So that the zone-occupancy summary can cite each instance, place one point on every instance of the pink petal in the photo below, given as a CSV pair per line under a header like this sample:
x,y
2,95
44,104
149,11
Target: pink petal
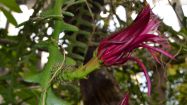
x,y
159,50
145,73
145,10
125,100
144,38
154,55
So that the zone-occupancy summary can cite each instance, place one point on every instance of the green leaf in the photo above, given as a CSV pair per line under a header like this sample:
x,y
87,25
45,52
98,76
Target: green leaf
x,y
9,16
35,77
42,45
68,1
41,77
73,2
32,77
48,12
70,61
183,31
52,99
68,13
11,4
27,94
53,10
68,27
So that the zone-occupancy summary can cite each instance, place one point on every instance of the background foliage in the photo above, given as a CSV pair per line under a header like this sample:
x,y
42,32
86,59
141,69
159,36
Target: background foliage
x,y
23,79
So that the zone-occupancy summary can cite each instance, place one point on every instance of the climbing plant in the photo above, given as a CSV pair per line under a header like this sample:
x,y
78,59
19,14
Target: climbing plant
x,y
73,74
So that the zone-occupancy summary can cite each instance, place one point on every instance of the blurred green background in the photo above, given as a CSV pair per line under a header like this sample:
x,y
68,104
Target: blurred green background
x,y
36,36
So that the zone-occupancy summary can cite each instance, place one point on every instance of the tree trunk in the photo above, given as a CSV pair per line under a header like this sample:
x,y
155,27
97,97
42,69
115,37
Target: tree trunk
x,y
176,4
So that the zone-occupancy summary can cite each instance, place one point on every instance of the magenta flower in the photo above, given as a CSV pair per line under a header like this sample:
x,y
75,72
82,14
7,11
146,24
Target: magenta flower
x,y
118,48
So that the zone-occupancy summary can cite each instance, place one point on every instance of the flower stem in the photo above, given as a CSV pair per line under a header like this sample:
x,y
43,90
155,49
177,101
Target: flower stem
x,y
83,71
